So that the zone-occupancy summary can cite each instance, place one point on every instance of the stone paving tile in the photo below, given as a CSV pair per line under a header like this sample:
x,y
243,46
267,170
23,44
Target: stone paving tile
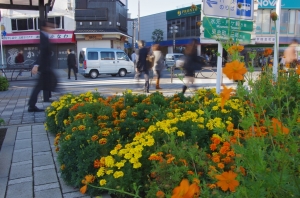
x,y
22,155
49,193
45,177
14,122
22,144
20,171
39,137
24,128
21,180
25,189
41,146
42,160
24,135
3,184
46,186
76,195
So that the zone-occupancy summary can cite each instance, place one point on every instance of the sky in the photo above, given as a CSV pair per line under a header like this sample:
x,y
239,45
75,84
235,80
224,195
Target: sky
x,y
148,7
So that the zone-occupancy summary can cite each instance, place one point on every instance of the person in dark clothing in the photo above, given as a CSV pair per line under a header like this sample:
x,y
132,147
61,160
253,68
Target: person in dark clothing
x,y
191,59
20,60
71,60
81,58
47,80
142,65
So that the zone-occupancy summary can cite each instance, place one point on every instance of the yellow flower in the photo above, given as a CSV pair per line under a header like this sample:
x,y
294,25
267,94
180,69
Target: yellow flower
x,y
180,133
137,165
119,165
109,161
101,172
118,174
102,182
108,172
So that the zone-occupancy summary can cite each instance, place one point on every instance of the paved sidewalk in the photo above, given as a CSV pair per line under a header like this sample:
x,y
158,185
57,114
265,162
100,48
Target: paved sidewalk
x,y
28,166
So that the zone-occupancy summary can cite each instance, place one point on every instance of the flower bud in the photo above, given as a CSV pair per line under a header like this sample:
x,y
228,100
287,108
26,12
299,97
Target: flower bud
x,y
274,16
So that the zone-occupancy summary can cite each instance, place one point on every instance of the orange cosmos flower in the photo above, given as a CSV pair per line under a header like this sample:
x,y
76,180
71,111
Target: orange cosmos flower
x,y
185,190
235,70
268,51
278,126
227,181
298,70
160,194
225,95
83,189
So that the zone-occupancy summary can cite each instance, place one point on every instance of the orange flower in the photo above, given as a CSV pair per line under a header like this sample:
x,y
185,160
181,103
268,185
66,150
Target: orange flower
x,y
185,190
230,127
83,189
278,126
227,181
103,141
298,70
193,6
221,165
94,138
160,194
268,51
225,95
235,70
213,147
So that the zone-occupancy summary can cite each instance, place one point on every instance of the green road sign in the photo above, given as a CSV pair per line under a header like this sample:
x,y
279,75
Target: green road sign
x,y
225,35
226,23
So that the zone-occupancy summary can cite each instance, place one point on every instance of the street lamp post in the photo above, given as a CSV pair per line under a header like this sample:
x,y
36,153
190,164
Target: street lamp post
x,y
174,30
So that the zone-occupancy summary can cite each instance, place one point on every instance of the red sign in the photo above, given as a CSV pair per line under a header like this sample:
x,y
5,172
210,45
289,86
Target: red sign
x,y
34,38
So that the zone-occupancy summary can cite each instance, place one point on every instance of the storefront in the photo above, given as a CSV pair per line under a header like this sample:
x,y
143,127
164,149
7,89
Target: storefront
x,y
29,43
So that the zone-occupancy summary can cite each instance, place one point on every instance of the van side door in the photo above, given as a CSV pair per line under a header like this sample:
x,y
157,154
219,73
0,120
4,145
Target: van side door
x,y
123,61
108,62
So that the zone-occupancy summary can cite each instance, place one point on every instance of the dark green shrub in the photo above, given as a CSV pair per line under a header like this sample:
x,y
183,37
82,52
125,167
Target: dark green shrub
x,y
3,84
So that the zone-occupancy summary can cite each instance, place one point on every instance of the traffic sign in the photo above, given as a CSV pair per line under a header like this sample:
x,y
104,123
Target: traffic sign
x,y
225,23
238,9
224,34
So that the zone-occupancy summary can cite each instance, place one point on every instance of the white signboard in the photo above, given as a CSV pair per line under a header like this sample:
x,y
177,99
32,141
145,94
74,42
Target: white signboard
x,y
238,9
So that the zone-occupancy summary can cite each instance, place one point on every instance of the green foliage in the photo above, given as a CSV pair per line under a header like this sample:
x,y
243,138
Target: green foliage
x,y
157,36
2,122
3,84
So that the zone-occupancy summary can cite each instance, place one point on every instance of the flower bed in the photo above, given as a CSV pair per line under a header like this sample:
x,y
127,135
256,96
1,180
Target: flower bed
x,y
239,143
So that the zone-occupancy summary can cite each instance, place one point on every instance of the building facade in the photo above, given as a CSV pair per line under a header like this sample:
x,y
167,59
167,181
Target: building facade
x,y
101,23
21,30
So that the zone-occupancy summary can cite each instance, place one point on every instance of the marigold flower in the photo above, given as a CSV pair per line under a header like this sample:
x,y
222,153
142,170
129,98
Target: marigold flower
x,y
62,167
213,147
102,182
227,181
221,165
97,163
103,141
94,138
235,70
190,172
118,174
160,194
81,127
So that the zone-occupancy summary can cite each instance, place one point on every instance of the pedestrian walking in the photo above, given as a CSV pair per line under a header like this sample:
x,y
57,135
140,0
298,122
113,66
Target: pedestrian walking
x,y
81,58
142,64
290,53
189,66
20,60
71,61
47,80
158,63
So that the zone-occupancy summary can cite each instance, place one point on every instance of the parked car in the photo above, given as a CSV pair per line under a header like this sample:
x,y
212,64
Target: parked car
x,y
172,58
106,61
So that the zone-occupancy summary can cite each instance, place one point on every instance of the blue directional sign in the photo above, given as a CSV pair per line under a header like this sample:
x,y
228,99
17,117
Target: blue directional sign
x,y
238,9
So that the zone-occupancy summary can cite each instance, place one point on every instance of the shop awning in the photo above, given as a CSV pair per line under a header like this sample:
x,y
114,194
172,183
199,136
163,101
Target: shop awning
x,y
34,38
25,4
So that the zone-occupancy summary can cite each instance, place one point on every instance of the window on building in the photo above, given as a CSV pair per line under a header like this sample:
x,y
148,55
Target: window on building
x,y
292,21
298,24
259,22
22,24
266,21
92,55
107,56
57,21
284,21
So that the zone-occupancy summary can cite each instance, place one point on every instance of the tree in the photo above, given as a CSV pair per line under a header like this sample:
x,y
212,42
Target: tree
x,y
157,35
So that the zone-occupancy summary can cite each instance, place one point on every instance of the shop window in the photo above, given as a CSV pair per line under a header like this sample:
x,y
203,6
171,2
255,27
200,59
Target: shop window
x,y
298,24
22,24
284,21
57,21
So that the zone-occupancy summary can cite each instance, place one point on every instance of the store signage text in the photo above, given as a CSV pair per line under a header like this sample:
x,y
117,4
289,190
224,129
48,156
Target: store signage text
x,y
265,3
225,23
93,37
27,37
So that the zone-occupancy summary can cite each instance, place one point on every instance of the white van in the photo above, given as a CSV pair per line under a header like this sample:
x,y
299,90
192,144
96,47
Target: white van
x,y
106,61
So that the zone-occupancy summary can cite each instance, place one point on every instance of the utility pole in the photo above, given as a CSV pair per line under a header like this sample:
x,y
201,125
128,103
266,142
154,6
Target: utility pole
x,y
139,20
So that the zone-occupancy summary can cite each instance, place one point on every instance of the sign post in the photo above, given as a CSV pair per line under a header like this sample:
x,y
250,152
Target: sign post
x,y
276,45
